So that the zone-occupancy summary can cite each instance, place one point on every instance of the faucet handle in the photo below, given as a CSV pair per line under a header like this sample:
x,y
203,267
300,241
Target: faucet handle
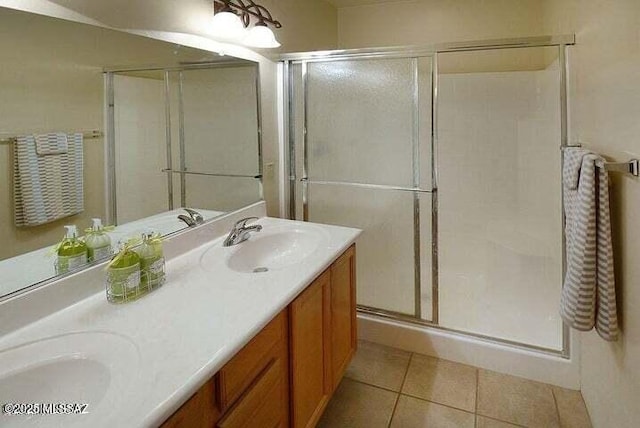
x,y
242,222
195,215
187,220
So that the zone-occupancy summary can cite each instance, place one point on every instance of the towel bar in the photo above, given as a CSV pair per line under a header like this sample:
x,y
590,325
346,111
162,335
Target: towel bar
x,y
85,134
631,167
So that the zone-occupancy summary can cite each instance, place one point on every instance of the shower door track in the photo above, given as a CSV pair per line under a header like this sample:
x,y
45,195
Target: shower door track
x,y
414,52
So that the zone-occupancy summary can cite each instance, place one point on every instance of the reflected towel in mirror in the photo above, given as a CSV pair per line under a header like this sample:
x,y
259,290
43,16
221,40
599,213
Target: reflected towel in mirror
x,y
47,188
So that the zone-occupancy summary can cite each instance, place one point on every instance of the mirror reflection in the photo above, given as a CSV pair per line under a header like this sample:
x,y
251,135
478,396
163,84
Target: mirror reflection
x,y
106,135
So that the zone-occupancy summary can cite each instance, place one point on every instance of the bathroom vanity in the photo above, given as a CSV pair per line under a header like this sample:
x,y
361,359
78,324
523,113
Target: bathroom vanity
x,y
287,373
256,334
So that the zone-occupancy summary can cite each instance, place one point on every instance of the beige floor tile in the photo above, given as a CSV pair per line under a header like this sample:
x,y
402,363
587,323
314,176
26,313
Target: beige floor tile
x,y
379,365
483,422
442,382
413,413
516,400
572,410
356,405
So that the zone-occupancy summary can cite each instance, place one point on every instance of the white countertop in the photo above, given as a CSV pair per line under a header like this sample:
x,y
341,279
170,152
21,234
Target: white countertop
x,y
188,329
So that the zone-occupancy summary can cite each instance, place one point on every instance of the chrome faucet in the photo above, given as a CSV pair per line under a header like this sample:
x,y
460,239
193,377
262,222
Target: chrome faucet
x,y
240,232
193,219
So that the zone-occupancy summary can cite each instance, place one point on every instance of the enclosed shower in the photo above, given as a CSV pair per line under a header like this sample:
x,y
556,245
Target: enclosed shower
x,y
449,158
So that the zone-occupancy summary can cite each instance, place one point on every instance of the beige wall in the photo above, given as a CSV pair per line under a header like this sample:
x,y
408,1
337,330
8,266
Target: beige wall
x,y
42,89
307,25
605,115
433,21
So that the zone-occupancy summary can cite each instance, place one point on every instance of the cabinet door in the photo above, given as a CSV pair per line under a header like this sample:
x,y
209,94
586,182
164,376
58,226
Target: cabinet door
x,y
310,358
343,314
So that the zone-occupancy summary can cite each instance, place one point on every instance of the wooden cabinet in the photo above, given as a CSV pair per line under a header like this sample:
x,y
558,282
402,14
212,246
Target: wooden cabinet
x,y
270,345
286,374
201,411
262,404
323,339
253,386
310,357
343,314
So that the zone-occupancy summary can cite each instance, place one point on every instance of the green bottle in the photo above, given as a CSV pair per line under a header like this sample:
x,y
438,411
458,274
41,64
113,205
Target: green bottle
x,y
98,242
151,260
123,276
72,252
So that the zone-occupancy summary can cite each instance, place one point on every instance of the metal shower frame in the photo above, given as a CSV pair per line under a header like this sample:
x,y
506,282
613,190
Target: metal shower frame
x,y
414,53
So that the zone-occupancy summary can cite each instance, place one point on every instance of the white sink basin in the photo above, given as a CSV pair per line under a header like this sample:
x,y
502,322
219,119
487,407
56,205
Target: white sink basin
x,y
268,250
93,368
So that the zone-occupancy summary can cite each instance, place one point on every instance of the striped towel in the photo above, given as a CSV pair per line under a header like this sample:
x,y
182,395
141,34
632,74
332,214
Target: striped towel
x,y
47,187
588,295
51,144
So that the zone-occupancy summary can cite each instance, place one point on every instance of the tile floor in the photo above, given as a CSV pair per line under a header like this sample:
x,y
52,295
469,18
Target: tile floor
x,y
388,387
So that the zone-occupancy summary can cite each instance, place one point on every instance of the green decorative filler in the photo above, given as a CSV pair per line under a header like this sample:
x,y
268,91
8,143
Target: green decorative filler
x,y
152,260
123,276
98,241
71,252
137,269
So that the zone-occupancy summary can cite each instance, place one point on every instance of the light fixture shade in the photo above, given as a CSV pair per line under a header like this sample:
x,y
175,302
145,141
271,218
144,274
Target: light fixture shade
x,y
261,36
227,25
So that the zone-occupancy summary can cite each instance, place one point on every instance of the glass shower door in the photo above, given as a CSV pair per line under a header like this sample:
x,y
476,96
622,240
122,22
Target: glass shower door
x,y
363,130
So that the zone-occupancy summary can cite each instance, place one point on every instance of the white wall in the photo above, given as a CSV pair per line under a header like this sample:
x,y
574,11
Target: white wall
x,y
605,115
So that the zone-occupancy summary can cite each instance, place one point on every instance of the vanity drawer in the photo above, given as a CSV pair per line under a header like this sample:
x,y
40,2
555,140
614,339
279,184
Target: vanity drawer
x,y
261,405
201,411
236,376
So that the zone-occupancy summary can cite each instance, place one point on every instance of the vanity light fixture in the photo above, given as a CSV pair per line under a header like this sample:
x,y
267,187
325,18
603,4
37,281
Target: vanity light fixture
x,y
232,18
226,24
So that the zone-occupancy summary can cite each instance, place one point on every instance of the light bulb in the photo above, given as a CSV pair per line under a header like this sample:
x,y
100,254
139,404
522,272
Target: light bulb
x,y
261,36
227,25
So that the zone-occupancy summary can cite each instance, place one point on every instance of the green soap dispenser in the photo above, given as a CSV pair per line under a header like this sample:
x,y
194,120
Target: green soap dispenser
x,y
151,260
123,276
72,252
98,242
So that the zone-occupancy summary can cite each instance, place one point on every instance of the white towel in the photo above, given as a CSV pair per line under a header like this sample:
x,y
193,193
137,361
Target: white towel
x,y
588,295
47,187
51,144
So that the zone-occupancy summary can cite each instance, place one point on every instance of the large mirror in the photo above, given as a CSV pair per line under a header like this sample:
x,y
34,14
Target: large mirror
x,y
102,124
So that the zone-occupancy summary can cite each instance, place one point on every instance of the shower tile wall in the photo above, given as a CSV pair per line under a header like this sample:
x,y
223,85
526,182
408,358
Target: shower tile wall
x,y
141,187
500,247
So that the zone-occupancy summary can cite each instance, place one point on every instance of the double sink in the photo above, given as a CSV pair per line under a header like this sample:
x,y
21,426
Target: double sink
x,y
98,367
